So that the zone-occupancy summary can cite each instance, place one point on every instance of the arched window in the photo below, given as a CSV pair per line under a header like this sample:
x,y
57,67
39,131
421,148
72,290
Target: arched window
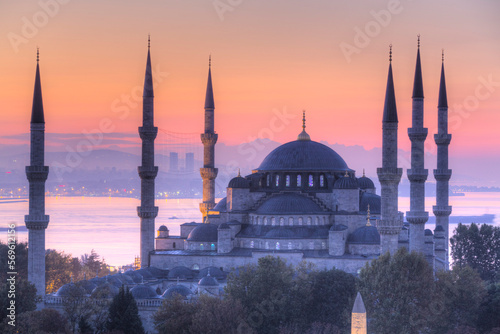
x,y
301,220
317,221
299,180
268,180
252,244
287,181
195,267
277,180
290,221
309,221
289,245
212,247
273,221
311,181
311,245
321,181
267,244
278,245
173,245
201,246
264,221
323,245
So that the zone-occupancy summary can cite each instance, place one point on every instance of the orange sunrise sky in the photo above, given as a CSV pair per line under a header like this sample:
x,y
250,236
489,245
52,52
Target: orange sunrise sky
x,y
327,57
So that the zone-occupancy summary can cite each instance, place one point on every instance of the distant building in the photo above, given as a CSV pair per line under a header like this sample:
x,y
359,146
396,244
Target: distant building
x,y
174,162
189,162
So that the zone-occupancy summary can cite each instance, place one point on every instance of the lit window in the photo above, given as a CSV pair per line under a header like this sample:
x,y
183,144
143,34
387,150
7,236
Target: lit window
x,y
267,244
287,181
321,180
212,247
323,245
268,180
201,247
311,182
299,180
278,245
277,180
252,244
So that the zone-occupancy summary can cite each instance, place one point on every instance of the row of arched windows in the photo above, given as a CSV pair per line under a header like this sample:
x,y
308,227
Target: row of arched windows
x,y
288,221
298,179
283,245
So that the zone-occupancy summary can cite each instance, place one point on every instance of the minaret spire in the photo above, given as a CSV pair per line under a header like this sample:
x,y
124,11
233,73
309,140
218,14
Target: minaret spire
x,y
417,216
147,171
37,221
389,174
442,174
304,135
208,138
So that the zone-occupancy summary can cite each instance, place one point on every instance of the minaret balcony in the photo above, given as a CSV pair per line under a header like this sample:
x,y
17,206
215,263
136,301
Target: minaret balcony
x,y
208,173
441,210
146,132
442,139
147,172
389,174
209,138
36,222
417,217
417,174
37,173
147,212
442,174
389,226
417,134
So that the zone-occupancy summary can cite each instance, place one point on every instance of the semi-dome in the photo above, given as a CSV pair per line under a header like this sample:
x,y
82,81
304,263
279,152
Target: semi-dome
x,y
221,206
143,292
174,290
365,235
208,281
180,272
203,233
303,155
373,200
365,183
346,182
289,204
239,182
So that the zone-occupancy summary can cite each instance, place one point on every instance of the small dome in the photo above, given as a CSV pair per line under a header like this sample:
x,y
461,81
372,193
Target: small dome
x,y
373,200
208,281
427,232
143,292
214,272
145,273
135,275
338,227
180,272
346,182
174,290
157,272
365,183
223,226
203,232
126,279
289,204
365,235
239,182
88,286
106,290
221,206
280,233
70,289
163,228
113,279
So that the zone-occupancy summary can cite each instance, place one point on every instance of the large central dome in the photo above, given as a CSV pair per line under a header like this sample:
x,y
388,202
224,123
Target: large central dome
x,y
303,155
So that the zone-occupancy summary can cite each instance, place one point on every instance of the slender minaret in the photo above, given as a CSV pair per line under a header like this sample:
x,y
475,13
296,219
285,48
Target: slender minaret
x,y
148,171
389,175
417,216
358,319
37,221
208,138
442,174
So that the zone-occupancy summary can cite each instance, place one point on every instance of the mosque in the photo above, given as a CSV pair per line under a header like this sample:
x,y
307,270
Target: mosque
x,y
302,203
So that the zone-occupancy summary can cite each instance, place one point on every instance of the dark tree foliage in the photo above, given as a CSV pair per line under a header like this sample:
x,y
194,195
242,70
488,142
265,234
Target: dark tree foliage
x,y
397,291
174,316
124,314
84,327
457,300
477,246
463,330
25,297
489,312
43,321
215,315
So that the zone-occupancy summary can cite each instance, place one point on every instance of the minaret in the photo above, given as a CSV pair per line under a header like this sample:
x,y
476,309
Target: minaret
x,y
148,171
417,216
358,319
37,221
442,174
389,175
208,138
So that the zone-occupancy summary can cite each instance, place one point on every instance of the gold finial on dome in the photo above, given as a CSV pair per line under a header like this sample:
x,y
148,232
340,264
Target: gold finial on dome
x,y
368,216
239,175
303,135
346,174
363,172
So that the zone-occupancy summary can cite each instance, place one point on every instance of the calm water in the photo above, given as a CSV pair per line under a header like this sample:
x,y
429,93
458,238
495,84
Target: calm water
x,y
111,226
